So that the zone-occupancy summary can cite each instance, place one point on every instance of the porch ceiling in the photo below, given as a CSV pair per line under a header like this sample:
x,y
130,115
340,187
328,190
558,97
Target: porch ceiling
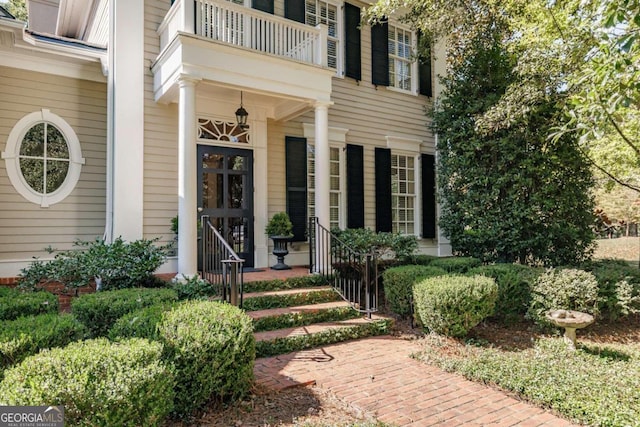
x,y
286,86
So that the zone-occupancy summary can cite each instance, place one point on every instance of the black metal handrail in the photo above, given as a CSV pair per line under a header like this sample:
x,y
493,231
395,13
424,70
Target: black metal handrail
x,y
353,274
221,266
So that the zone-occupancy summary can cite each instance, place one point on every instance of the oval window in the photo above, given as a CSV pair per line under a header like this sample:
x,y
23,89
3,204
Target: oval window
x,y
43,158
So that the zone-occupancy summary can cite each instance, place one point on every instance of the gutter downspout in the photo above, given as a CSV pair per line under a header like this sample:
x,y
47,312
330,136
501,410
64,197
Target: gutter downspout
x,y
108,228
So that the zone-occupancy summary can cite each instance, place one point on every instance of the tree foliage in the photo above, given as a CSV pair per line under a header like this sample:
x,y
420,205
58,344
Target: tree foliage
x,y
507,191
18,8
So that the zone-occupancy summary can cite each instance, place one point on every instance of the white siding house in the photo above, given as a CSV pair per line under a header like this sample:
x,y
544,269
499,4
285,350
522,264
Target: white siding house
x,y
144,94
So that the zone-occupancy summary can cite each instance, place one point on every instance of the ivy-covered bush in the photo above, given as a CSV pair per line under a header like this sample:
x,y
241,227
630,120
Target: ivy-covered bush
x,y
514,288
288,283
27,335
618,287
141,323
386,245
14,303
196,288
99,383
117,265
212,348
99,311
458,265
563,288
398,285
452,305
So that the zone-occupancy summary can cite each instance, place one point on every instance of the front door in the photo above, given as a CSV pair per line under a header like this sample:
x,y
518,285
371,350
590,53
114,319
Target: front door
x,y
225,194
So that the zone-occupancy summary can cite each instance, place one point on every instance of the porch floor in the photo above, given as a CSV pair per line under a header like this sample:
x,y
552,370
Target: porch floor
x,y
267,273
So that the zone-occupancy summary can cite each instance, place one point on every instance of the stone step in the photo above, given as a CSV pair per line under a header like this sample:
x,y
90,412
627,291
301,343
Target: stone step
x,y
313,329
272,312
288,298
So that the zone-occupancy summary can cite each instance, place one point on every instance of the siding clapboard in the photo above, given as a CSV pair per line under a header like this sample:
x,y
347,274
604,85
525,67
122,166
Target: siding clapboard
x,y
26,228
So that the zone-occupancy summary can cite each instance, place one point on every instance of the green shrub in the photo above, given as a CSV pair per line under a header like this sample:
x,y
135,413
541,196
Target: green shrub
x,y
99,311
514,287
420,259
212,348
452,305
618,287
390,245
99,383
27,335
310,281
458,265
195,288
141,323
118,265
563,288
398,285
14,303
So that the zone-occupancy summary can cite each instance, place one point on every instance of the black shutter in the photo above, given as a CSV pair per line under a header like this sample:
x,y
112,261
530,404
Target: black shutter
x,y
352,63
383,190
428,196
263,5
355,186
296,182
380,54
424,72
294,9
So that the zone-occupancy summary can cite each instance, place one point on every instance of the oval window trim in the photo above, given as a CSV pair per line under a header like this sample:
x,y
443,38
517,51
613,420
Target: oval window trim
x,y
12,160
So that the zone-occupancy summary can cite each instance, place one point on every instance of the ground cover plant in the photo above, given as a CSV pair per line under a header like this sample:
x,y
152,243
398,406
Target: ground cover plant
x,y
595,385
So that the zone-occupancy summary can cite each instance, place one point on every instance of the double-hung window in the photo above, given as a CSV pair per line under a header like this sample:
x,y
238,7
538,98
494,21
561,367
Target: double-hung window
x,y
314,12
322,12
335,186
403,193
401,63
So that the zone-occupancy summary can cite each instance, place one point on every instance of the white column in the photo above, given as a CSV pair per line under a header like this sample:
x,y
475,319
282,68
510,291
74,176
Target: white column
x,y
126,121
187,185
322,163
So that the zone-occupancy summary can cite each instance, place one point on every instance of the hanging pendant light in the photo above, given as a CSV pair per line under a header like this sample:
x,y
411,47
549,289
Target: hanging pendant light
x,y
241,115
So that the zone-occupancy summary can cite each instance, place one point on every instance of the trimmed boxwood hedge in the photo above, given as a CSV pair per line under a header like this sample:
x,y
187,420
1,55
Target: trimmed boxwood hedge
x,y
15,303
141,323
457,265
212,348
99,311
398,285
514,288
98,382
27,335
452,305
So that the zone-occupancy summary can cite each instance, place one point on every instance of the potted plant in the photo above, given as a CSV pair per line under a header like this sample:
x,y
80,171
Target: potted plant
x,y
280,230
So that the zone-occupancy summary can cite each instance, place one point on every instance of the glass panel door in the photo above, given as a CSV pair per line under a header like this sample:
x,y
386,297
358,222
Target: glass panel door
x,y
225,194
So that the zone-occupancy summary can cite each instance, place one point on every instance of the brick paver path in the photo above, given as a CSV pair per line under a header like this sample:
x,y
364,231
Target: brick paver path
x,y
377,376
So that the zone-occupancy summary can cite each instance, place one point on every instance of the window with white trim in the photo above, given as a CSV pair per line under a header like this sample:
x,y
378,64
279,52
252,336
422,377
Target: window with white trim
x,y
322,12
402,66
43,158
403,193
335,186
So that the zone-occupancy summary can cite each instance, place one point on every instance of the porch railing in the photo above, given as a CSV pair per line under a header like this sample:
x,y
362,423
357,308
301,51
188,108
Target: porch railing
x,y
221,266
237,25
353,274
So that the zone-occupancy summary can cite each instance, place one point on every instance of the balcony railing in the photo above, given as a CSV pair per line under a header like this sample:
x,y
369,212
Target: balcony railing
x,y
236,25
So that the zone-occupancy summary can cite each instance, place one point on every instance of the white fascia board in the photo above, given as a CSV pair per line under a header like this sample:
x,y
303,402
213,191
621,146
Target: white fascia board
x,y
236,66
33,61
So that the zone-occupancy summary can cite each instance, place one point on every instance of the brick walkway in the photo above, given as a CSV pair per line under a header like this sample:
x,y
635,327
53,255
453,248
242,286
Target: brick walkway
x,y
377,377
